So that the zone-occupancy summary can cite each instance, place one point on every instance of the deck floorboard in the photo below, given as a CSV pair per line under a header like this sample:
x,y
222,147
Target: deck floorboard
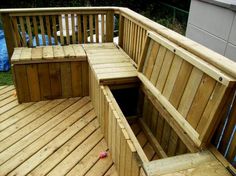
x,y
57,137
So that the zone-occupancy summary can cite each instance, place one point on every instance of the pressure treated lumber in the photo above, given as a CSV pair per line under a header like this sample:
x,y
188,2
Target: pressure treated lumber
x,y
202,163
77,129
110,64
50,72
48,54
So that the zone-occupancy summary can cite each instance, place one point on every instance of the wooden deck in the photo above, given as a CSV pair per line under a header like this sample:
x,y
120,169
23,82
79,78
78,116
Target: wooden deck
x,y
58,137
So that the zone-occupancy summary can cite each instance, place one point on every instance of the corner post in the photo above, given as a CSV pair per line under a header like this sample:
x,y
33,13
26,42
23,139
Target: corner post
x,y
109,26
9,34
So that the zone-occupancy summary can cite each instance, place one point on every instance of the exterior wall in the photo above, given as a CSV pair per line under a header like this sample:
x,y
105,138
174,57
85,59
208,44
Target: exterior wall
x,y
213,24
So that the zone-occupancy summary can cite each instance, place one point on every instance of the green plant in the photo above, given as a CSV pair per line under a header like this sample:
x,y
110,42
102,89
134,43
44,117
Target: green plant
x,y
6,78
174,25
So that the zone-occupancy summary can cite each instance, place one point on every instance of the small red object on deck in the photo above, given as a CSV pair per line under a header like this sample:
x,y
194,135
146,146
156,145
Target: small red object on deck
x,y
103,155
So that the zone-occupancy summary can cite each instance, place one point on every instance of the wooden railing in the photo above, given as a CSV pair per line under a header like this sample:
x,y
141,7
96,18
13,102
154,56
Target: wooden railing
x,y
225,136
82,23
57,26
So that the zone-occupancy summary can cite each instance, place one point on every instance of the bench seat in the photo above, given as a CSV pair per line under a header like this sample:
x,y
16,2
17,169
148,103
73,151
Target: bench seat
x,y
24,55
110,63
50,72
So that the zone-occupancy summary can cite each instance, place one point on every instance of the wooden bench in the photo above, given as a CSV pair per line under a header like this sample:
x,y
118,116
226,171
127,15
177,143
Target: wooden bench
x,y
179,105
50,72
110,64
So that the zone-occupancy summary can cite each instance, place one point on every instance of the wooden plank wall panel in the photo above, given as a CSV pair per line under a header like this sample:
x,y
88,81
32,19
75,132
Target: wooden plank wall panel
x,y
35,82
162,73
66,79
44,81
55,80
161,129
85,78
76,72
123,152
52,71
190,88
23,92
133,38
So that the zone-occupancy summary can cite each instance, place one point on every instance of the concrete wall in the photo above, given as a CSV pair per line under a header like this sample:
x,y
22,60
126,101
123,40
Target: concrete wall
x,y
213,25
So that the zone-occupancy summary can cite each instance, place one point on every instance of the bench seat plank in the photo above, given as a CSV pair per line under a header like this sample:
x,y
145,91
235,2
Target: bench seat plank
x,y
49,54
110,64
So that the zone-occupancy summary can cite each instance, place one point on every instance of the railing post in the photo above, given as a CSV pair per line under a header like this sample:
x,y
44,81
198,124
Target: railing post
x,y
9,34
109,26
121,30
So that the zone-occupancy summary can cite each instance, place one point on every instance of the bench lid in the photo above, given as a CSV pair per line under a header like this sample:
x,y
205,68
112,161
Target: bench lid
x,y
188,88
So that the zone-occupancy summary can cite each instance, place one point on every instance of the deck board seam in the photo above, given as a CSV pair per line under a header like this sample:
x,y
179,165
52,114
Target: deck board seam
x,y
39,126
36,119
84,154
7,95
2,91
30,104
9,108
62,143
87,152
20,118
42,136
8,100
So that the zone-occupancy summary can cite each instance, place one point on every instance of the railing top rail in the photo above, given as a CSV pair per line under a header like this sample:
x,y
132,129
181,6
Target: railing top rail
x,y
56,9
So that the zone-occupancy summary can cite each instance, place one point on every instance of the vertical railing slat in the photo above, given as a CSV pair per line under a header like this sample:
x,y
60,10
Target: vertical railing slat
x,y
121,30
85,28
16,32
135,43
48,27
96,28
23,33
42,29
138,43
91,28
67,29
79,28
125,34
61,30
73,28
35,24
102,27
28,23
54,29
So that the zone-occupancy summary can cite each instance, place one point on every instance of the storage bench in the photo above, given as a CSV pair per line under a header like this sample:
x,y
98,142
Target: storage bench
x,y
50,72
178,99
144,142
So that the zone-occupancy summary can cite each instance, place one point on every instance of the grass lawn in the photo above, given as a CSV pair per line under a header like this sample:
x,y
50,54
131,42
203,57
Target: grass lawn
x,y
6,78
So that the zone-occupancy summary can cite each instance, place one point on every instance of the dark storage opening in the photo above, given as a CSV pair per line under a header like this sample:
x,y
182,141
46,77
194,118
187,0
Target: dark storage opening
x,y
127,99
154,133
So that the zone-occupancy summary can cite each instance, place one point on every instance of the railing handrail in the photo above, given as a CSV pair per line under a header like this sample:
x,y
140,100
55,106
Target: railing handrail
x,y
219,61
56,9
